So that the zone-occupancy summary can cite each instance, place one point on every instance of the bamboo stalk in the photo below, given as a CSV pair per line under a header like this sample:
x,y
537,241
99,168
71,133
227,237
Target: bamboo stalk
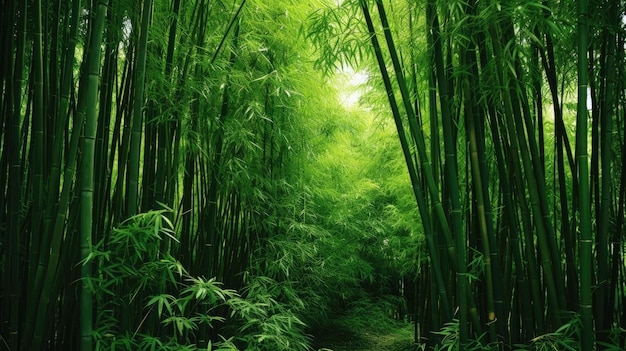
x,y
418,193
138,106
87,173
481,194
603,309
451,175
36,155
518,143
37,139
108,131
14,306
582,159
562,142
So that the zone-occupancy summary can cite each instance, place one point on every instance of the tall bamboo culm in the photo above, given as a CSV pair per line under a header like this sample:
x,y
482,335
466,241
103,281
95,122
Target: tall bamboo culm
x,y
584,193
92,67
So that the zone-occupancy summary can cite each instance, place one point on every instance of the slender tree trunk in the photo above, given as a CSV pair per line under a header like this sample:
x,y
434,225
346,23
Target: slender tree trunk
x,y
87,172
14,306
584,203
451,175
138,106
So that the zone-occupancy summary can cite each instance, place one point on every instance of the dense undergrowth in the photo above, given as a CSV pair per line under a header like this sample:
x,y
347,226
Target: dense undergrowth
x,y
194,313
190,310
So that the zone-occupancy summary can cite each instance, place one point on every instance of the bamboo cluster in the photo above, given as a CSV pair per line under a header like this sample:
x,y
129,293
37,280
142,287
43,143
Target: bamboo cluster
x,y
523,222
115,108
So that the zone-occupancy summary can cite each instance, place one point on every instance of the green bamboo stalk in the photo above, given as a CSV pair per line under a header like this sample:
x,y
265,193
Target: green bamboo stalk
x,y
36,164
58,111
583,191
138,105
37,147
480,176
603,302
192,221
64,95
13,304
108,131
218,198
518,143
174,131
451,174
466,298
419,141
538,167
52,81
536,80
210,259
168,129
46,284
61,120
186,250
487,240
87,173
617,270
562,143
149,145
528,280
435,156
532,163
233,21
457,259
121,140
107,134
418,193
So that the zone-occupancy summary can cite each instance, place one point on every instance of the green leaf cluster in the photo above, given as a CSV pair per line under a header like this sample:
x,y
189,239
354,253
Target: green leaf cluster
x,y
180,311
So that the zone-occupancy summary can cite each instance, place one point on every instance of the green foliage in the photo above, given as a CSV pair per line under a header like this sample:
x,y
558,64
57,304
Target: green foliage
x,y
131,264
566,337
264,322
616,340
450,341
338,36
478,81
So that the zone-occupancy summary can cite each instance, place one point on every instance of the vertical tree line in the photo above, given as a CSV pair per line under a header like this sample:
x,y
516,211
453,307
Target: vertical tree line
x,y
112,111
510,119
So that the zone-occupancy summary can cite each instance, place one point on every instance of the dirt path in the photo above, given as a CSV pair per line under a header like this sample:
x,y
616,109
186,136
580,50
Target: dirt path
x,y
400,339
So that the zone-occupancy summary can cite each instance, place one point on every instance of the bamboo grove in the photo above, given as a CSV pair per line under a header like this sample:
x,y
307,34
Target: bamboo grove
x,y
511,119
146,147
179,175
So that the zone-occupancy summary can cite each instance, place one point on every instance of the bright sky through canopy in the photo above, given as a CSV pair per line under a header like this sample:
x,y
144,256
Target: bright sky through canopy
x,y
350,84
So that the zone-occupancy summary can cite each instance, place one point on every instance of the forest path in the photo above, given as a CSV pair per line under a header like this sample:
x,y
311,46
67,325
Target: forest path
x,y
397,339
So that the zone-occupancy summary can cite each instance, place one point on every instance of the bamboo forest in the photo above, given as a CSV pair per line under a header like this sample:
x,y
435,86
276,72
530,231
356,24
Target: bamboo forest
x,y
312,175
